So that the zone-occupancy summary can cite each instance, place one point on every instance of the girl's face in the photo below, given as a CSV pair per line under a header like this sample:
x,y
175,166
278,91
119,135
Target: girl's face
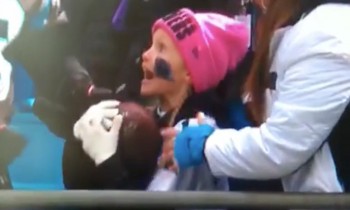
x,y
164,71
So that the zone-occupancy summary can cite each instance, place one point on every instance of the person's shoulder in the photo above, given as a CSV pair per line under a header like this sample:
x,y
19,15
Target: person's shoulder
x,y
324,31
331,12
327,22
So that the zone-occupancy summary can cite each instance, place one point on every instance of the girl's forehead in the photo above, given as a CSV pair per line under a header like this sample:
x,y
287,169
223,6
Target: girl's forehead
x,y
161,37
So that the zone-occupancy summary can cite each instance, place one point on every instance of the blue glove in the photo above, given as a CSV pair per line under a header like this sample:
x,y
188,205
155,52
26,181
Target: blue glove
x,y
189,145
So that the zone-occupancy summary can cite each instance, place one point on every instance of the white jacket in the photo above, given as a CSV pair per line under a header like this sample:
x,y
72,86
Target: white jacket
x,y
312,62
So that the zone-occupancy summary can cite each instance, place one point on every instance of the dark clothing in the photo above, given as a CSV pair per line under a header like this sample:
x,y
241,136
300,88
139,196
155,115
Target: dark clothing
x,y
11,145
339,144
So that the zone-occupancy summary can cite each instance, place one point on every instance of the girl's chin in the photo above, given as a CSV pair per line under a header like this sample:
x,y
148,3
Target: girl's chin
x,y
154,88
148,92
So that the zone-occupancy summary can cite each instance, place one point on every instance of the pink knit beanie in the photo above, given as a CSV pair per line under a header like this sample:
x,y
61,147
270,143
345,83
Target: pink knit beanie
x,y
210,44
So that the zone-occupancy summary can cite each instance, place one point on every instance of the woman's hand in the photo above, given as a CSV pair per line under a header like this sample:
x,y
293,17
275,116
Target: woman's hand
x,y
189,145
98,130
186,148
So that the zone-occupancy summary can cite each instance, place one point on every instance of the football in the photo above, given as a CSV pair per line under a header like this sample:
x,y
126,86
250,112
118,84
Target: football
x,y
139,139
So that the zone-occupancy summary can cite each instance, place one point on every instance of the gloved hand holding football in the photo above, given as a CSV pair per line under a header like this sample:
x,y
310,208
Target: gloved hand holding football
x,y
125,129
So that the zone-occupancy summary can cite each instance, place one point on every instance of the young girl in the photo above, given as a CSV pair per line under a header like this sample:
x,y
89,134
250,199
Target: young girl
x,y
189,56
303,60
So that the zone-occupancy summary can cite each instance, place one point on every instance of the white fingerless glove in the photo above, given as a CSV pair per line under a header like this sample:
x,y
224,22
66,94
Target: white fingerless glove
x,y
99,142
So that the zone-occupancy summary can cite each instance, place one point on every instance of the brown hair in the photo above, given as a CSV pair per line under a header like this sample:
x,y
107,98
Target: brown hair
x,y
280,13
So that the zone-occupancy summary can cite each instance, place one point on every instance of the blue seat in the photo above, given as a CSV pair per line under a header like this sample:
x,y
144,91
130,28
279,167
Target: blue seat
x,y
39,167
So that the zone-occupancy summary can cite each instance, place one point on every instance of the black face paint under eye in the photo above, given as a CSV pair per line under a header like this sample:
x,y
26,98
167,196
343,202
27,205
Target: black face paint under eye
x,y
162,69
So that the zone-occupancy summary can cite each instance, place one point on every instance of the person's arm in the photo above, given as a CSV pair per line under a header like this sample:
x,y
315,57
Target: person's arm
x,y
11,145
312,95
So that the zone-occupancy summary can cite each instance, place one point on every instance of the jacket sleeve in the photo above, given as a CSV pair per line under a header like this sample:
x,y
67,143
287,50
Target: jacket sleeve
x,y
313,91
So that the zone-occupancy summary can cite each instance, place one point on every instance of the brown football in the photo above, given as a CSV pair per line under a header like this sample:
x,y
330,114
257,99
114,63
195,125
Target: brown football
x,y
139,139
